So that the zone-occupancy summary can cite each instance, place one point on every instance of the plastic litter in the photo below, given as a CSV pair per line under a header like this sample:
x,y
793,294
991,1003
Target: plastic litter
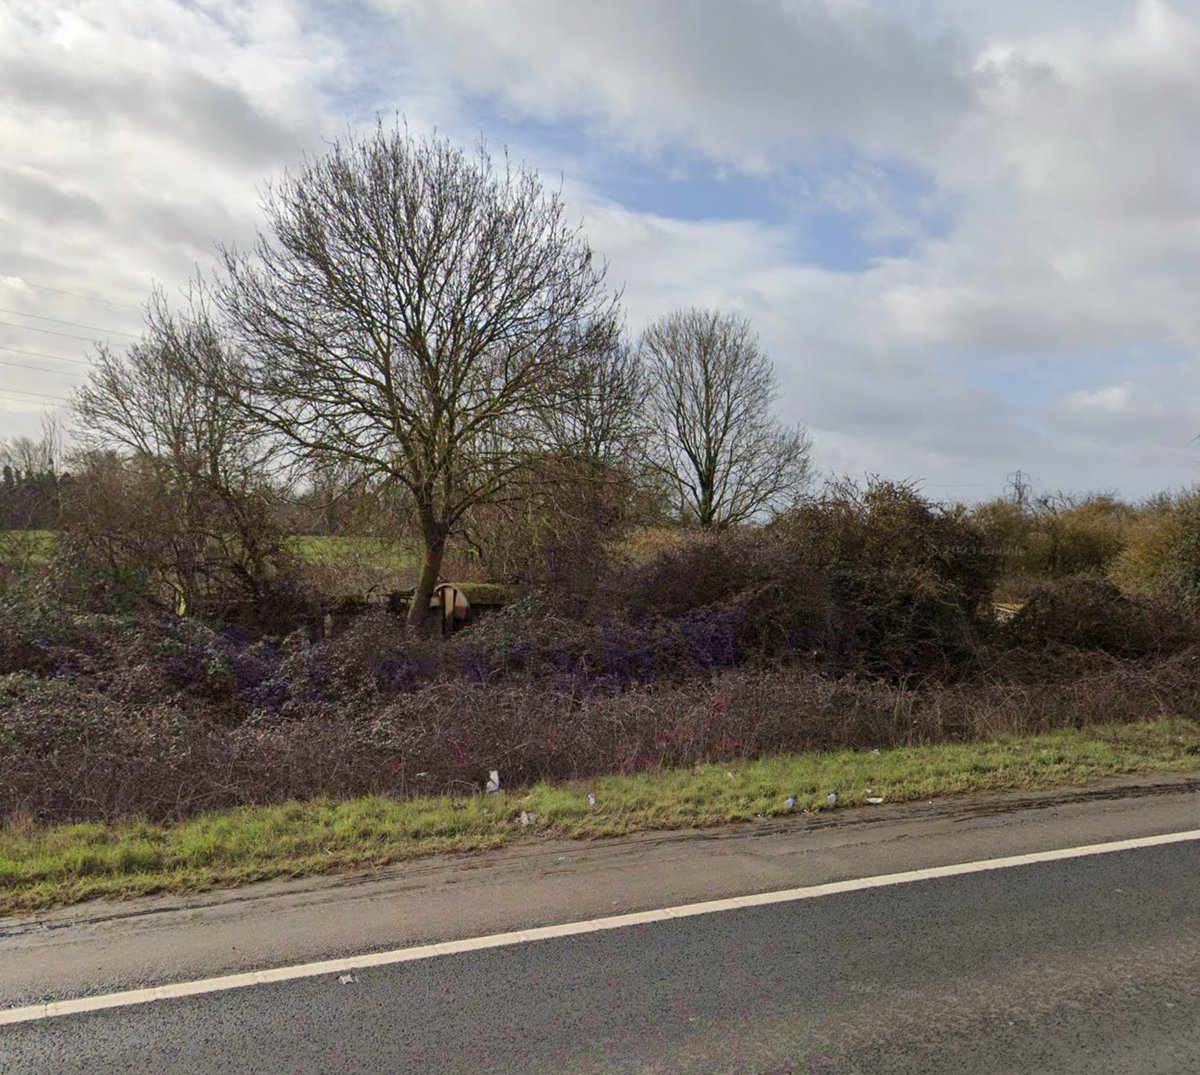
x,y
422,776
875,752
874,800
831,798
527,819
493,782
791,801
592,799
346,979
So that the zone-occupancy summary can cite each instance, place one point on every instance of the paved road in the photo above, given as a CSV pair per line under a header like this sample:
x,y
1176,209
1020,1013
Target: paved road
x,y
1091,965
1085,965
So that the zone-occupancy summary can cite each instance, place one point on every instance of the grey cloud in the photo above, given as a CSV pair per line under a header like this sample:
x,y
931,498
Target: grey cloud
x,y
738,80
181,104
26,193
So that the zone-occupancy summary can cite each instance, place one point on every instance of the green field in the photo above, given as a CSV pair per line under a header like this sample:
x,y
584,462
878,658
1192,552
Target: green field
x,y
379,554
37,546
340,565
27,546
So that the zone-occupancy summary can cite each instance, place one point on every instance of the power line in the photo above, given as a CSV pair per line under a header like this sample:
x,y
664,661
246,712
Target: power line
x,y
42,354
50,332
42,369
72,324
34,395
80,295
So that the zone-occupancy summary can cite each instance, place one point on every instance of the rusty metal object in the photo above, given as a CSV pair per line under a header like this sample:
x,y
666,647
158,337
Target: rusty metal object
x,y
452,605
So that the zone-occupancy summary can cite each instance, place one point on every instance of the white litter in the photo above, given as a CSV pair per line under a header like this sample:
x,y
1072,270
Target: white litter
x,y
831,798
346,979
791,801
527,819
592,799
874,800
493,783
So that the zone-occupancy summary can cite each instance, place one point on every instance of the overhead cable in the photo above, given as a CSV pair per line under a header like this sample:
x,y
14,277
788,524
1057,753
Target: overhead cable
x,y
72,324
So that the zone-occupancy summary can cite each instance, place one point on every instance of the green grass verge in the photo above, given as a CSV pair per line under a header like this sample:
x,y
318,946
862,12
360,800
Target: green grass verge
x,y
47,866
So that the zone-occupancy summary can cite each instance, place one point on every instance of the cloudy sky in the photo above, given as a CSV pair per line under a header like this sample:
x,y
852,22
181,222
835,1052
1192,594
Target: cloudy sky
x,y
967,231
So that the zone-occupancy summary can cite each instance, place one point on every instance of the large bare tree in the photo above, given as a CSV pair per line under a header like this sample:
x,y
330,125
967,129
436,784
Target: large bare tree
x,y
711,395
413,311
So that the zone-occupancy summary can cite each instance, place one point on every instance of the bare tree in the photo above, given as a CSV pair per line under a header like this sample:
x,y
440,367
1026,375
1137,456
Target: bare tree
x,y
179,478
32,480
414,311
41,455
710,397
31,477
599,419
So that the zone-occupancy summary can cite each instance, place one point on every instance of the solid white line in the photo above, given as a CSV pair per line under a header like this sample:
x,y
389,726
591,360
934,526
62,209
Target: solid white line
x,y
496,940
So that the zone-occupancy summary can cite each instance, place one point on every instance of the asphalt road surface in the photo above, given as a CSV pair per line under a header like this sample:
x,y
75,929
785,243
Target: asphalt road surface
x,y
1086,965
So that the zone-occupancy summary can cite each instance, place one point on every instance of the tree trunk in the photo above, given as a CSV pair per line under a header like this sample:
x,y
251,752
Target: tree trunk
x,y
435,548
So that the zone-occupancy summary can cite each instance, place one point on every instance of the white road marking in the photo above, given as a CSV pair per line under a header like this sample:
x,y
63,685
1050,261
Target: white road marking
x,y
131,997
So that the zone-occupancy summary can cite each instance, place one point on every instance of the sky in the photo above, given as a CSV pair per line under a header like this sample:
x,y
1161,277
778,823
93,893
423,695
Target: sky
x,y
967,232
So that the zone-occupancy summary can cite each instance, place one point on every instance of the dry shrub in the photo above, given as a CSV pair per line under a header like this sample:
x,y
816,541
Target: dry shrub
x,y
698,655
72,754
1089,613
554,526
746,584
140,532
1074,537
1162,556
909,579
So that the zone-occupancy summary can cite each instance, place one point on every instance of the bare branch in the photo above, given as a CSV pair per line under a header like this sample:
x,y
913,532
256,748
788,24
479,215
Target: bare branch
x,y
710,395
415,312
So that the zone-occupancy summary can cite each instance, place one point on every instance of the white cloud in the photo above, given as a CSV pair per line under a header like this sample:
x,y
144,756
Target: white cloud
x,y
1112,400
1065,138
738,81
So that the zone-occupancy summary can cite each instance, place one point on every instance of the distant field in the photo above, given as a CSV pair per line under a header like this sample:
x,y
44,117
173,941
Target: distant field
x,y
340,565
335,550
38,546
28,546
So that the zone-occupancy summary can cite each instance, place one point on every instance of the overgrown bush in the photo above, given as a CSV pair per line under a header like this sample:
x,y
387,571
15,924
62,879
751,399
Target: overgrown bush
x,y
1092,614
747,585
1162,556
858,620
1052,538
910,580
137,533
72,752
555,526
1075,537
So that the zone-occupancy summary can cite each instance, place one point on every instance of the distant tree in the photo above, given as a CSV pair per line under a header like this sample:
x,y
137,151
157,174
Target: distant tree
x,y
553,524
414,312
32,475
711,393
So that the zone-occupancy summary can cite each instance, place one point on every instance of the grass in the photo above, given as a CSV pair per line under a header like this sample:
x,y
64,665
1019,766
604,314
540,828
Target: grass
x,y
26,546
38,546
46,866
384,555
